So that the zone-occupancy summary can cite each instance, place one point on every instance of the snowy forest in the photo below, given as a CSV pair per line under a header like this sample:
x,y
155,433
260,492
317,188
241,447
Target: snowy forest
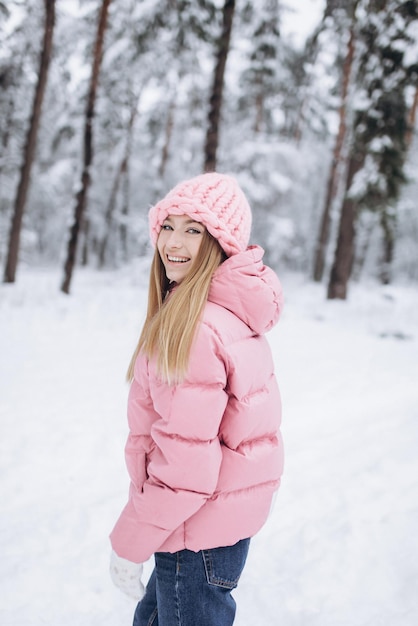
x,y
312,105
105,105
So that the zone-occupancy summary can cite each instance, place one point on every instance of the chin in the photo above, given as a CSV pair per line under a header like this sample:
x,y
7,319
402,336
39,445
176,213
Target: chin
x,y
174,278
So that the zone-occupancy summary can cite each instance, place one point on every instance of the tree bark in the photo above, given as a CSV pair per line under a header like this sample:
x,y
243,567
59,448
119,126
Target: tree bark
x,y
387,222
81,197
334,175
30,146
120,173
344,253
168,134
103,244
411,120
259,112
212,134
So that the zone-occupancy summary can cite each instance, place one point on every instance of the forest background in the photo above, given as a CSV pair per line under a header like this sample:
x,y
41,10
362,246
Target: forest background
x,y
105,105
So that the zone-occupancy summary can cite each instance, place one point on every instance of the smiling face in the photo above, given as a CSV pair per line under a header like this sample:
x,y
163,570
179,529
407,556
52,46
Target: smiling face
x,y
178,244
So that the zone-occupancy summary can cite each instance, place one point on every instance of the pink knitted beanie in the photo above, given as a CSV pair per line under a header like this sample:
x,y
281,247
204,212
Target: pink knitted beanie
x,y
215,200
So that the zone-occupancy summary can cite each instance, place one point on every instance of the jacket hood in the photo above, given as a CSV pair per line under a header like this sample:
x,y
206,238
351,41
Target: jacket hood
x,y
249,289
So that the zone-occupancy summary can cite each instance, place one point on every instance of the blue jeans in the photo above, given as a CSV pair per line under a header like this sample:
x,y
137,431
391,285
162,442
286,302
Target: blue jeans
x,y
193,588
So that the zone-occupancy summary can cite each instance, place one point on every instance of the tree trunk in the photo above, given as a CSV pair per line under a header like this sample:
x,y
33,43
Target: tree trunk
x,y
344,253
259,112
388,224
334,175
212,135
120,173
123,225
103,244
168,133
81,197
30,146
411,121
85,229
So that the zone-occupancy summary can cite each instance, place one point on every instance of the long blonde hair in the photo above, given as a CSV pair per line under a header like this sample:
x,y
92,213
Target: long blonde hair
x,y
170,323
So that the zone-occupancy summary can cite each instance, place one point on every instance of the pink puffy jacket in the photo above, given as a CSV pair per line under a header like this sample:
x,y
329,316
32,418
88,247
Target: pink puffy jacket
x,y
205,457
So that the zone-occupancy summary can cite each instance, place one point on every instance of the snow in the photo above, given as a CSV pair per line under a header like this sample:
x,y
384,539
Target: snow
x,y
340,546
299,20
411,50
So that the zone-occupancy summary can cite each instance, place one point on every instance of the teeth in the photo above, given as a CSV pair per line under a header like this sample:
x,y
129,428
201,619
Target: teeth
x,y
176,259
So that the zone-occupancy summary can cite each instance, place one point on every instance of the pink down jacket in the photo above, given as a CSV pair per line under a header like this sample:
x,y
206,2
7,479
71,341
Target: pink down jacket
x,y
205,457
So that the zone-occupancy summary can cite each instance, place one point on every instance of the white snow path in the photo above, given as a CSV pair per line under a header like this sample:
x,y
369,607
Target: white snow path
x,y
341,546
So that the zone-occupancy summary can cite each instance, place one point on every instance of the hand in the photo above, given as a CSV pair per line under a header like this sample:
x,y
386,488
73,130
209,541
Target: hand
x,y
127,576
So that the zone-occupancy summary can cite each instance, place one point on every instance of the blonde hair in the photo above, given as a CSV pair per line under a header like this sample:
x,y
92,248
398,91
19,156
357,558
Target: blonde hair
x,y
170,323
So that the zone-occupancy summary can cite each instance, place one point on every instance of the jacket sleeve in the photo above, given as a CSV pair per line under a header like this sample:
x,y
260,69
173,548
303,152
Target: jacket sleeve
x,y
184,463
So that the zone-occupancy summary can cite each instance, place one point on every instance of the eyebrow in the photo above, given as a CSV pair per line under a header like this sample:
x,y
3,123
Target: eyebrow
x,y
168,218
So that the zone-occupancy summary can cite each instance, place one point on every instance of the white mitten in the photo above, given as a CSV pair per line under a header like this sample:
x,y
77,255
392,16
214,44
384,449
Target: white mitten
x,y
127,576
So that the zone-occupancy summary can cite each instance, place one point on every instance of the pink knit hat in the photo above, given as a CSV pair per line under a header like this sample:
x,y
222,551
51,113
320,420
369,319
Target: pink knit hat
x,y
213,199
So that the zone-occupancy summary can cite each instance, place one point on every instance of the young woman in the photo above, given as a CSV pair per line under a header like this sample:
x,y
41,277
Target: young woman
x,y
204,451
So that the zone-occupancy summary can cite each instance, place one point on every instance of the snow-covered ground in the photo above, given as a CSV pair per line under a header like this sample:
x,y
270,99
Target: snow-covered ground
x,y
341,547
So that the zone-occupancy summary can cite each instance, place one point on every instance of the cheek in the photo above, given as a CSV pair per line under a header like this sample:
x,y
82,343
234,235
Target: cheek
x,y
197,247
160,244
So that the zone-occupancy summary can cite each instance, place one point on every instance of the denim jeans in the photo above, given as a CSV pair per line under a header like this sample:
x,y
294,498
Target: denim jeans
x,y
193,588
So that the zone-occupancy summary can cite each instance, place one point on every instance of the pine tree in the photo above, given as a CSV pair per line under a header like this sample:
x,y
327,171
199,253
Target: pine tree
x,y
81,197
260,80
30,145
337,168
378,150
214,116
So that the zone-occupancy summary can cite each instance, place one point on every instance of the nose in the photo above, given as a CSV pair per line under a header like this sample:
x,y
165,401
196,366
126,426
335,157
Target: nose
x,y
174,239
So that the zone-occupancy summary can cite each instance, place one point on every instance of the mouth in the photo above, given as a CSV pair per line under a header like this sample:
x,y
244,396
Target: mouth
x,y
177,259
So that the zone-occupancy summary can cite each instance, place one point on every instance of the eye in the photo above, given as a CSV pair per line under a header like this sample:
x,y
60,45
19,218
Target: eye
x,y
194,231
166,227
